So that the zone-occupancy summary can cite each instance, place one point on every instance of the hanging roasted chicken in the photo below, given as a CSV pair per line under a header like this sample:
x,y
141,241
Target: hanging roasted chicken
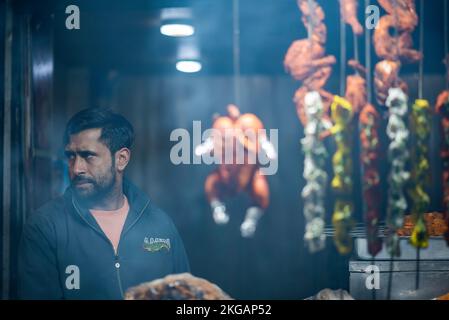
x,y
236,141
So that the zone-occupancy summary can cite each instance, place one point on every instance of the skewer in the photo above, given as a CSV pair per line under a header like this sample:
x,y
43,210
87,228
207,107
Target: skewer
x,y
446,39
373,291
356,48
396,36
390,279
356,51
421,50
310,28
420,94
236,51
418,250
368,59
342,56
396,33
368,100
355,120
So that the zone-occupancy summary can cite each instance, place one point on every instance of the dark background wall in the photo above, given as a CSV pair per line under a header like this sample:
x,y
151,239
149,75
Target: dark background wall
x,y
119,59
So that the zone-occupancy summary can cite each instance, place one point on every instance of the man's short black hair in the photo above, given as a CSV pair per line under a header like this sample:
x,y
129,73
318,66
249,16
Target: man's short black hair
x,y
116,131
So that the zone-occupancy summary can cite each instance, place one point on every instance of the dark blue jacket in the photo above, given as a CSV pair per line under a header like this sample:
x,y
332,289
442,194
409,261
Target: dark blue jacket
x,y
64,254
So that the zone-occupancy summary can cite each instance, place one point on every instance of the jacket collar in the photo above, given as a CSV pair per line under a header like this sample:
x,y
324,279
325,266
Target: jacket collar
x,y
137,199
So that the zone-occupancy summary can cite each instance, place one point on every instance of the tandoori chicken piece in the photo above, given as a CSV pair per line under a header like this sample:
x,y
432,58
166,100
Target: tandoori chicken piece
x,y
405,11
391,47
348,12
386,76
313,17
356,87
304,57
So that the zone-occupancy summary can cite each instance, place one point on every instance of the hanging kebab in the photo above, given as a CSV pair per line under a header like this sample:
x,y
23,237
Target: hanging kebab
x,y
442,108
306,61
420,168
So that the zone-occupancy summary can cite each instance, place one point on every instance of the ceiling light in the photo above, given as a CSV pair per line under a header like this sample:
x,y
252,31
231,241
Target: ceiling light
x,y
188,66
177,22
177,30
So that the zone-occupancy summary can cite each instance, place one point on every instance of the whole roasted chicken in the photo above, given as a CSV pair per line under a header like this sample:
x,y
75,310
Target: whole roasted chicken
x,y
237,141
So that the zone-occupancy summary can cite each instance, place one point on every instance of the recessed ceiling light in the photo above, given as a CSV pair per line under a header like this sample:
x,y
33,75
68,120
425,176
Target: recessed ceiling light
x,y
177,30
188,66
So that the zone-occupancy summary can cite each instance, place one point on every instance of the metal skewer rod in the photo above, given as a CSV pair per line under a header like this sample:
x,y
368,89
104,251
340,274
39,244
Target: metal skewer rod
x,y
368,59
446,39
420,95
390,279
342,56
421,50
418,250
236,50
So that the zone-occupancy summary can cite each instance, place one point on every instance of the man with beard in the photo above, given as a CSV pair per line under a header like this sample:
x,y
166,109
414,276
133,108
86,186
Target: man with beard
x,y
103,235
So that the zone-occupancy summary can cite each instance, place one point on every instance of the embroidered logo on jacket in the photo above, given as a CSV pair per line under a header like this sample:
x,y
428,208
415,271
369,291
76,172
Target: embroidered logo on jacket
x,y
156,244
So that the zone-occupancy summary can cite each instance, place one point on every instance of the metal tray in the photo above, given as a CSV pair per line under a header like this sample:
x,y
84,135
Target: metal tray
x,y
437,250
433,279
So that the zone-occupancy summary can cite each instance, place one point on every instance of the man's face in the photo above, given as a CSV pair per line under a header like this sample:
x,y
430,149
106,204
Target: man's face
x,y
91,166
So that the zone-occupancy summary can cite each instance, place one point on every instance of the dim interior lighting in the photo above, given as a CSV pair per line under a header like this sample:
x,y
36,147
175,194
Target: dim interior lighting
x,y
177,30
188,66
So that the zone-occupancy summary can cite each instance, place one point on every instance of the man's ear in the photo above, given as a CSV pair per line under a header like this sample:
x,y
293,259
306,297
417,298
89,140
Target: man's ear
x,y
122,158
